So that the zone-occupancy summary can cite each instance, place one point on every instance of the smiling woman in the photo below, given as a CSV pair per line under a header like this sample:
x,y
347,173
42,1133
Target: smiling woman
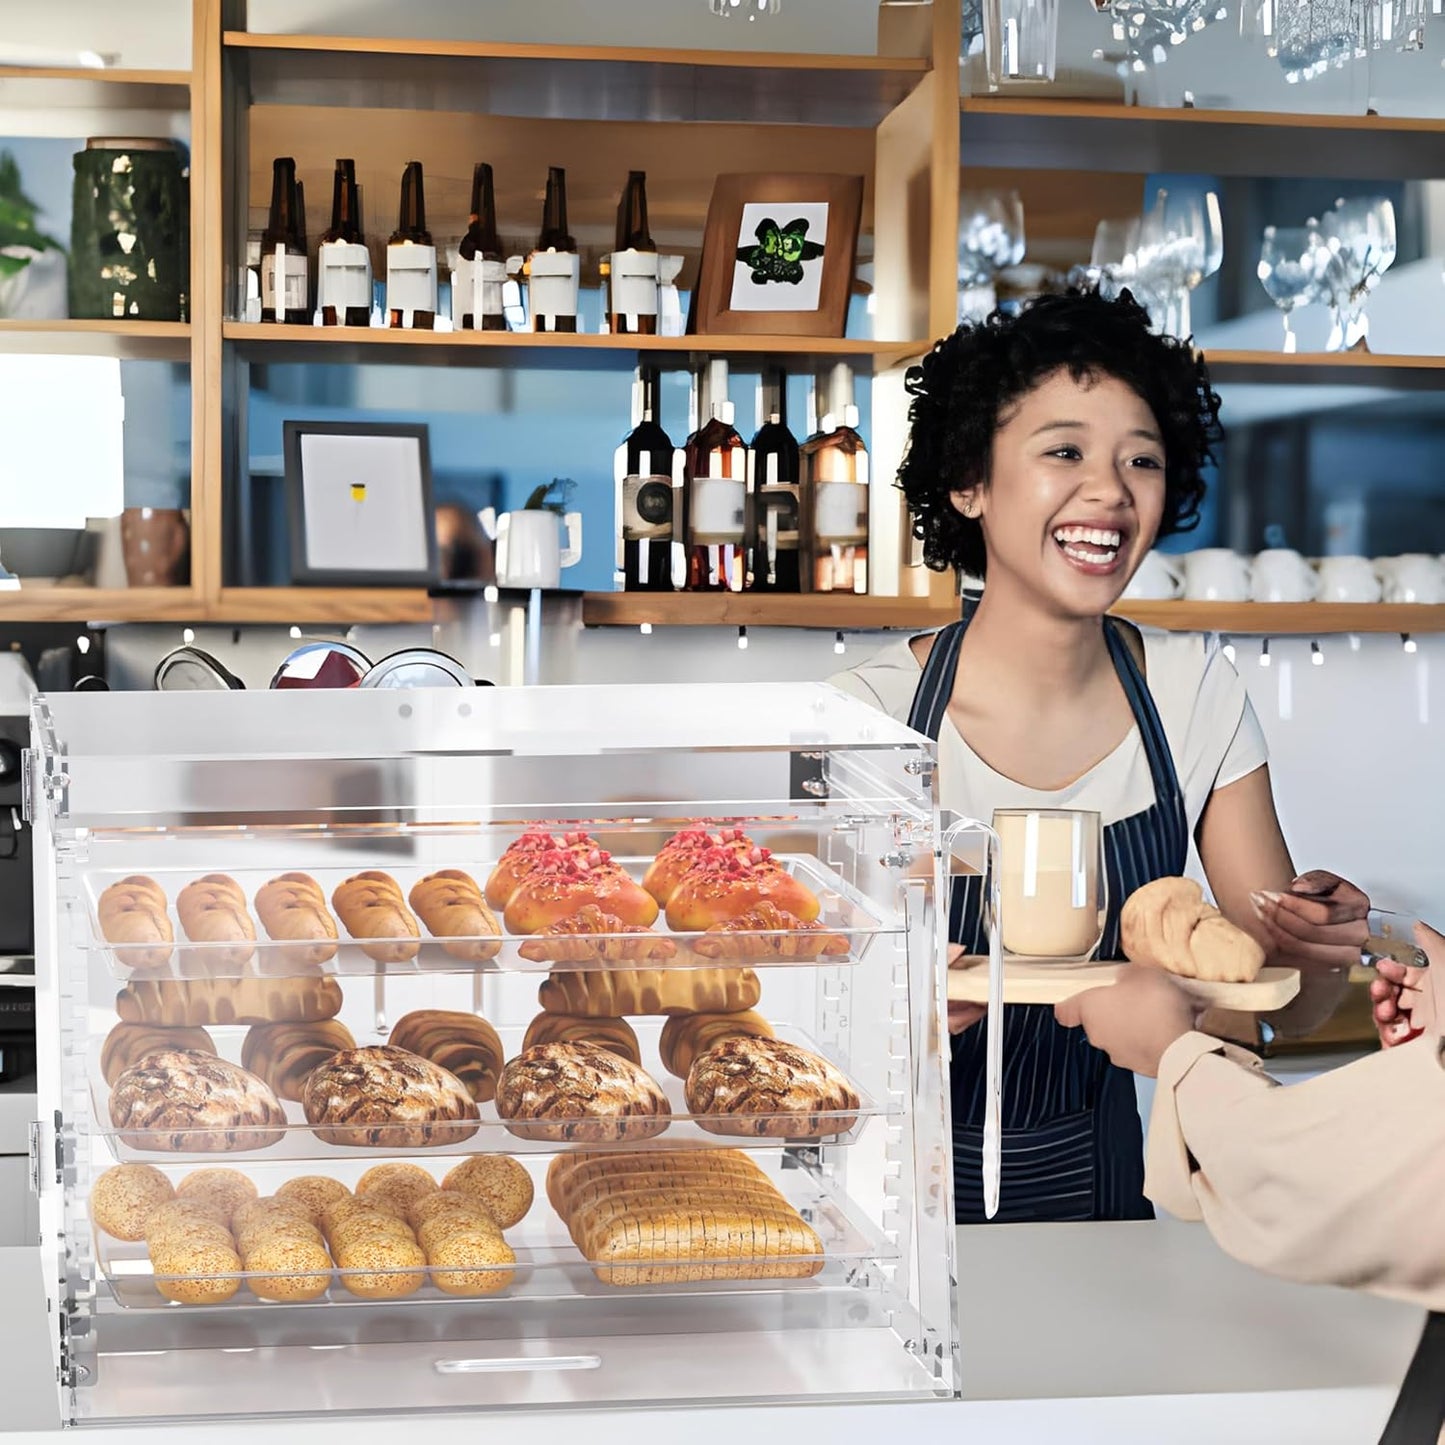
x,y
1048,452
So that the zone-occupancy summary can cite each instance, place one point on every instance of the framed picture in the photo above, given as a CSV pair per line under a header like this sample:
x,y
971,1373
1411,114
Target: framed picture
x,y
361,504
778,255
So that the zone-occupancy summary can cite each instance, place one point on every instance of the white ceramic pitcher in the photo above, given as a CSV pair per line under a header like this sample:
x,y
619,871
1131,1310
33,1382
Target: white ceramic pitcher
x,y
530,550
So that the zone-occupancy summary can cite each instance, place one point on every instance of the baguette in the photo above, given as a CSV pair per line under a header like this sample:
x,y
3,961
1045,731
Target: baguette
x,y
371,906
452,907
292,909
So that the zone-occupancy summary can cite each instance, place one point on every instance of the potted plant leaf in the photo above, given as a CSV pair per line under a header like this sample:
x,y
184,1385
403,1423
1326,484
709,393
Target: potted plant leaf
x,y
32,264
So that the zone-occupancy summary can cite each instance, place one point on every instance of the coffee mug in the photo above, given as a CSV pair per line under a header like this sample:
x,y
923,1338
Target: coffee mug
x,y
1157,580
530,552
1347,579
1215,574
156,546
1281,575
1414,577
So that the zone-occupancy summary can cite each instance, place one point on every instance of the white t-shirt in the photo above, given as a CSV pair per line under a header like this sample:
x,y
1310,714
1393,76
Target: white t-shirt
x,y
1211,728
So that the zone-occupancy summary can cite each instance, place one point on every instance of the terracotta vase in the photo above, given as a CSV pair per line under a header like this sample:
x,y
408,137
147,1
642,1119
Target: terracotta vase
x,y
156,542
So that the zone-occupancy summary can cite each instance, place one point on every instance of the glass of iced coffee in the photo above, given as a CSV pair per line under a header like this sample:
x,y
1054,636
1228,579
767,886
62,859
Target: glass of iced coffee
x,y
1052,883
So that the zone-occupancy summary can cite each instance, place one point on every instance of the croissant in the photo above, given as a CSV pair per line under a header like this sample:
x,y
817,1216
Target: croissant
x,y
561,883
284,1054
1168,923
615,1035
371,907
518,860
213,910
613,992
128,1044
685,1036
292,908
464,1045
767,932
451,906
681,853
576,940
723,886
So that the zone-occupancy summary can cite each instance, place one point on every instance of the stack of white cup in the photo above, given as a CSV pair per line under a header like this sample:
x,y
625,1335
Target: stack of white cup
x,y
1216,574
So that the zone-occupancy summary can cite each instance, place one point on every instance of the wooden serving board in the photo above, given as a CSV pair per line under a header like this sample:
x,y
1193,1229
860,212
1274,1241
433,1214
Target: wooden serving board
x,y
1044,982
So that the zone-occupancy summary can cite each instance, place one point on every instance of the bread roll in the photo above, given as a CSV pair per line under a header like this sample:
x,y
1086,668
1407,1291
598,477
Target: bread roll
x,y
135,889
187,1102
133,911
270,1215
461,1043
186,1219
1168,923
125,1197
766,934
192,1002
387,1098
522,855
592,936
498,1181
371,906
614,1034
722,886
561,883
471,1262
196,1273
292,909
685,1036
682,852
579,1093
449,1203
212,910
611,993
225,1189
312,1193
284,1054
401,1184
382,1267
769,1089
128,1044
285,1267
451,906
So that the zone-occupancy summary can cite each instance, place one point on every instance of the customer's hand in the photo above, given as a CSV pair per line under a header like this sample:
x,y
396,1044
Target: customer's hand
x,y
961,1015
1133,1020
1320,922
1406,1000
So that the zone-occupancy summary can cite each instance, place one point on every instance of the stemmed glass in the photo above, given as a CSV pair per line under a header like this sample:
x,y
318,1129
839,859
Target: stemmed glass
x,y
1181,241
990,238
1360,237
1292,265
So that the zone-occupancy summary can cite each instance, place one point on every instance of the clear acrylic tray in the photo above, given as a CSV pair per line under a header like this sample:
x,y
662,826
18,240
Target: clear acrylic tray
x,y
548,1264
489,1133
844,914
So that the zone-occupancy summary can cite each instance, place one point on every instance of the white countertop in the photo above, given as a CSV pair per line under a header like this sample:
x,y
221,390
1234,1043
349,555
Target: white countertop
x,y
1092,1332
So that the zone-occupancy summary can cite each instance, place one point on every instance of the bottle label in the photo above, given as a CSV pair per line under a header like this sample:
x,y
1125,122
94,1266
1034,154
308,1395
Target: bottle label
x,y
411,277
552,281
477,288
840,513
716,510
293,283
647,508
634,283
343,275
778,518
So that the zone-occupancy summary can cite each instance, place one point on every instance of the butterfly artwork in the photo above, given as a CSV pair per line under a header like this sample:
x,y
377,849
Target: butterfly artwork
x,y
779,252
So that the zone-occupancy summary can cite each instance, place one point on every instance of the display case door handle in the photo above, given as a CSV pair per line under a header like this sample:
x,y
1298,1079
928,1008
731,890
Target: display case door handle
x,y
34,1131
498,1364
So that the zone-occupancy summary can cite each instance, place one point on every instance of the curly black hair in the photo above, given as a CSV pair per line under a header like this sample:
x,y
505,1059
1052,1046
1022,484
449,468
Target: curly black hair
x,y
963,390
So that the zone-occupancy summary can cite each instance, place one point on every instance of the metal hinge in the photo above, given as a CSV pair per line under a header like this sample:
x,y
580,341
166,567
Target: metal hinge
x,y
27,784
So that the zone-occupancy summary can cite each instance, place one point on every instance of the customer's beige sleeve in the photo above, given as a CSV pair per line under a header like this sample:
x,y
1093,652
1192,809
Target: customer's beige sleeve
x,y
1338,1180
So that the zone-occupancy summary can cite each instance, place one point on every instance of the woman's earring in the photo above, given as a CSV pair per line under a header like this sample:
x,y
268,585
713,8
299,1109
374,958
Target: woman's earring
x,y
970,509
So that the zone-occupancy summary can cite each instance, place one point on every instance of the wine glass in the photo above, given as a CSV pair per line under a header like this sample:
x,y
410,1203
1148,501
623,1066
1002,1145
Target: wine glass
x,y
1292,265
990,238
1360,236
1181,241
1113,261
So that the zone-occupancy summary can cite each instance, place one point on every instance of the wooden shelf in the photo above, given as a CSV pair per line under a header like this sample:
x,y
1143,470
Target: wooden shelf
x,y
574,82
92,604
1365,367
509,346
1075,134
44,87
1285,619
132,340
287,605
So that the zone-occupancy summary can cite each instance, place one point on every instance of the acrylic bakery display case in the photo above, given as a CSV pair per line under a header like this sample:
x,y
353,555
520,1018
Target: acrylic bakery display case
x,y
464,1050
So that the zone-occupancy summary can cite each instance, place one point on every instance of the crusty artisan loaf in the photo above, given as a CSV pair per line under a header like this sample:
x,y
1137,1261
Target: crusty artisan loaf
x,y
613,992
213,911
606,1033
592,936
371,906
249,1000
128,1044
451,905
184,1101
579,1093
133,911
769,1088
384,1097
1168,923
284,1054
685,1036
292,909
460,1043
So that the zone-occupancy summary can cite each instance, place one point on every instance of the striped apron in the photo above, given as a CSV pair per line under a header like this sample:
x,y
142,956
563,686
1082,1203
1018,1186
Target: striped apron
x,y
1073,1146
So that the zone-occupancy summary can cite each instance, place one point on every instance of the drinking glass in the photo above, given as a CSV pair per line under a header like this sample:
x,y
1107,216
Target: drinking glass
x,y
1052,883
1181,241
1020,40
1360,236
1292,265
990,238
1114,259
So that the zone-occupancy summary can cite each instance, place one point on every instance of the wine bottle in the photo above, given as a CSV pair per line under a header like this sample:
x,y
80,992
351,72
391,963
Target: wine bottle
x,y
481,275
835,493
645,470
715,491
553,268
343,266
283,251
411,266
632,266
774,494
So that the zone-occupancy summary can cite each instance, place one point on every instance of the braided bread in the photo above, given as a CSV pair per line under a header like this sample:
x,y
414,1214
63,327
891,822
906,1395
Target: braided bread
x,y
213,910
133,911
